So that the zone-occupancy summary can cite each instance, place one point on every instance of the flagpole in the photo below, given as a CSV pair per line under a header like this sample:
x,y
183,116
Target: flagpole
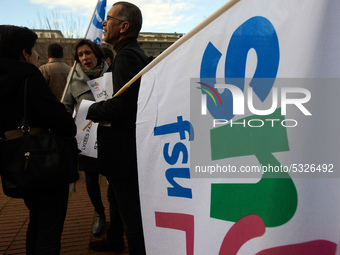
x,y
72,185
174,46
94,13
69,81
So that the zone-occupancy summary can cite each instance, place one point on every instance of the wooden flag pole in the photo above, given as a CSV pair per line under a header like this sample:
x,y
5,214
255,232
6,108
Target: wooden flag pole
x,y
174,46
72,185
69,81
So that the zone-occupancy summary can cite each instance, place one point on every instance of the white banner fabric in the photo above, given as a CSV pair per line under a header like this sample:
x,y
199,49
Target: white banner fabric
x,y
191,201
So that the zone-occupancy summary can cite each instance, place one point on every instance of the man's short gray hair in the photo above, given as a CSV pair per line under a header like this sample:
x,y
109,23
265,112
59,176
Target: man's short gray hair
x,y
132,14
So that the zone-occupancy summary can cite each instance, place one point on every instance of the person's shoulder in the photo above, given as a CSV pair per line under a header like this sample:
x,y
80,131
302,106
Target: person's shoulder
x,y
43,67
36,81
128,51
125,56
137,54
29,69
66,66
63,65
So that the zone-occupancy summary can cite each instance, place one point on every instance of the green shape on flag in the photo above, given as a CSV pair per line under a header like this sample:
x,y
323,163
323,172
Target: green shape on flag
x,y
237,140
274,197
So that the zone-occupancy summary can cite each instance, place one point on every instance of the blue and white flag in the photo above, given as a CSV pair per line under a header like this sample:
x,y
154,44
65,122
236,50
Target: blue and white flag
x,y
95,30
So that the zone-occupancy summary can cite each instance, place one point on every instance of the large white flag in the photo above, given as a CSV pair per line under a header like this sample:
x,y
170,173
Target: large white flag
x,y
95,29
237,134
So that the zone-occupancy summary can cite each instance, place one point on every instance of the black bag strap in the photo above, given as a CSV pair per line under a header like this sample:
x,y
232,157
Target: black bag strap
x,y
25,127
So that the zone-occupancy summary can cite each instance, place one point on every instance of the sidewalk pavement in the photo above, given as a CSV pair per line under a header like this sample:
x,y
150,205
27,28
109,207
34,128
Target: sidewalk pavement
x,y
77,228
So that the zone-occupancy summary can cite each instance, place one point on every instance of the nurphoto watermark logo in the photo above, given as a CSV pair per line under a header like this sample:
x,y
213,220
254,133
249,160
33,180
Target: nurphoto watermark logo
x,y
263,128
227,102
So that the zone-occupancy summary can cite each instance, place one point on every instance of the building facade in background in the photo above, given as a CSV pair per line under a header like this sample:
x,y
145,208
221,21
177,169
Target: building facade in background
x,y
153,44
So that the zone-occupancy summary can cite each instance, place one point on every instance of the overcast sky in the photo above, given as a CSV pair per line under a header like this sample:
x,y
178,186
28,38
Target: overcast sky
x,y
159,15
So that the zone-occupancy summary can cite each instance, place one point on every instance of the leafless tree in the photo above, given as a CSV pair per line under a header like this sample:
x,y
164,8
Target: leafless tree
x,y
71,29
63,21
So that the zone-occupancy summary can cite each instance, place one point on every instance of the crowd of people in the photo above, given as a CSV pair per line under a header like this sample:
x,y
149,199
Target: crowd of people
x,y
54,106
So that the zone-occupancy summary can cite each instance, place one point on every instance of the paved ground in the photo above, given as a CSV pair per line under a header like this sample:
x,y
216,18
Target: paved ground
x,y
77,229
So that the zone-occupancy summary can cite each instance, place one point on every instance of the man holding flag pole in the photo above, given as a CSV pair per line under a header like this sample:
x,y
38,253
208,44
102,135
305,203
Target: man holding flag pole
x,y
117,142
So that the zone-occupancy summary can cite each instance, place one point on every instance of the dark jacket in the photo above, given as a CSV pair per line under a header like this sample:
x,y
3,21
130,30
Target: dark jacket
x,y
117,143
43,109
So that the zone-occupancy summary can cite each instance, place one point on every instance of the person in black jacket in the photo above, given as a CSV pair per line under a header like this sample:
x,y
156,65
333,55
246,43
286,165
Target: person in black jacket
x,y
19,60
117,142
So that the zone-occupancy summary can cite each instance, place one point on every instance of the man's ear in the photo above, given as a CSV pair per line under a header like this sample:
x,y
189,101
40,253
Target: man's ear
x,y
125,27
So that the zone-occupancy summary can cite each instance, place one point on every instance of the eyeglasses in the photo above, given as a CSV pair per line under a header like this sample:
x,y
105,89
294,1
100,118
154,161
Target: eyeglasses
x,y
110,17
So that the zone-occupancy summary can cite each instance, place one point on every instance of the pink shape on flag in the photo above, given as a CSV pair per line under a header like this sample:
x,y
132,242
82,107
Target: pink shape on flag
x,y
241,232
179,221
315,247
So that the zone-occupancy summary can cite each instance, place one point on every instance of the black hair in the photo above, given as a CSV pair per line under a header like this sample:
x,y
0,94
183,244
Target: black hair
x,y
108,53
131,13
14,39
93,46
55,50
